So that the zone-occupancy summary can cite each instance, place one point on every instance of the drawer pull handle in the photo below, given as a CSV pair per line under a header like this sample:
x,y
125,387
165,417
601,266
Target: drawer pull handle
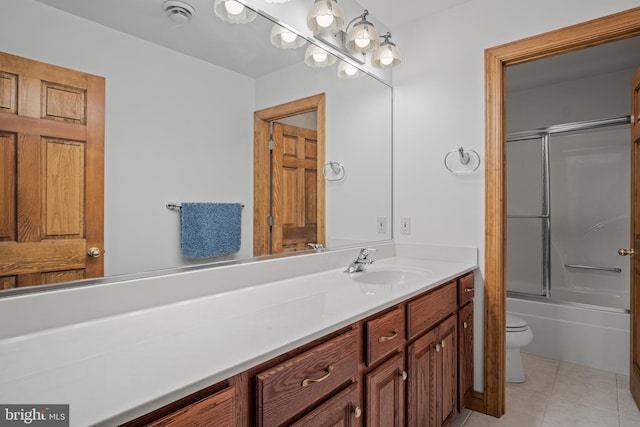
x,y
464,325
309,381
403,375
390,337
468,290
357,412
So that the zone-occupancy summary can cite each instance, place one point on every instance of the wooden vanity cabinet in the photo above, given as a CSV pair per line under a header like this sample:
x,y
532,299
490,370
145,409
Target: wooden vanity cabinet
x,y
223,402
411,364
300,382
385,393
432,388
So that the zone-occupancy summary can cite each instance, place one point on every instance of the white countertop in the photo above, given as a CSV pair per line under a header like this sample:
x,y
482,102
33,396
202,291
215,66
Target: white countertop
x,y
114,368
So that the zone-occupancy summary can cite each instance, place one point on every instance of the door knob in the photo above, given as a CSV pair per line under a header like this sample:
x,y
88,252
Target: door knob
x,y
94,252
625,252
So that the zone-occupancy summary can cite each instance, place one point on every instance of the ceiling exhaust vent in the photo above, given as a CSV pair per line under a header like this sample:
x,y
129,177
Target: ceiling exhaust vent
x,y
179,12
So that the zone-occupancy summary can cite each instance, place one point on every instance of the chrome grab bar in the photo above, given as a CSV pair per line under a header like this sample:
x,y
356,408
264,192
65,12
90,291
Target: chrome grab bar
x,y
590,267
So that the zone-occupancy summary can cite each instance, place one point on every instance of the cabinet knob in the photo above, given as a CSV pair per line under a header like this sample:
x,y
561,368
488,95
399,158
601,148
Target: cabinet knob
x,y
357,412
438,348
442,343
403,375
464,325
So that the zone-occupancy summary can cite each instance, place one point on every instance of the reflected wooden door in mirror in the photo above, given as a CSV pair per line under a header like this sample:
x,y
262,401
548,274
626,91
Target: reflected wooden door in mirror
x,y
51,173
289,191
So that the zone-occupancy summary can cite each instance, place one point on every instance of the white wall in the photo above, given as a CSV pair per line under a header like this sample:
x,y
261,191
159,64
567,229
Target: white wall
x,y
439,105
168,136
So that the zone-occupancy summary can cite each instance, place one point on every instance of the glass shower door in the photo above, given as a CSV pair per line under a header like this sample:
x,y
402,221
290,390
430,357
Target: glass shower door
x,y
528,221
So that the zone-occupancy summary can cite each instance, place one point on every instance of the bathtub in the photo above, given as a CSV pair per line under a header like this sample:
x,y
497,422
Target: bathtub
x,y
576,333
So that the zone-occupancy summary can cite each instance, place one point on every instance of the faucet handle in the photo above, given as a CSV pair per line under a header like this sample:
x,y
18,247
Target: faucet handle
x,y
364,253
316,246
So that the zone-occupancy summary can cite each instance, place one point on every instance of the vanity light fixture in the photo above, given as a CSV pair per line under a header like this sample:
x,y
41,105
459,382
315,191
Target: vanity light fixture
x,y
179,12
349,71
387,55
317,57
285,39
362,37
325,17
233,11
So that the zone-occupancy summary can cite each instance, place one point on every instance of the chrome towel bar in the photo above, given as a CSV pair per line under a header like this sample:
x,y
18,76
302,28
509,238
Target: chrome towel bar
x,y
590,267
176,206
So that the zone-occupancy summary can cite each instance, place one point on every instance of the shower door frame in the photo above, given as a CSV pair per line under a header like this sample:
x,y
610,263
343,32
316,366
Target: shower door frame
x,y
544,136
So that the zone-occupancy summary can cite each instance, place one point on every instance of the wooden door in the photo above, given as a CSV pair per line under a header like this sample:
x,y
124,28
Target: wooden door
x,y
270,233
634,370
51,173
294,188
385,394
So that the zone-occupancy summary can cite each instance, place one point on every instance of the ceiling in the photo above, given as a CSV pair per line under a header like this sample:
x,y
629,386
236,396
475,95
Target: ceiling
x,y
246,48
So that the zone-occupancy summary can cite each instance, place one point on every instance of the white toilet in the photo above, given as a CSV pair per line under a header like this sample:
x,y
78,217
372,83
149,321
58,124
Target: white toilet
x,y
518,335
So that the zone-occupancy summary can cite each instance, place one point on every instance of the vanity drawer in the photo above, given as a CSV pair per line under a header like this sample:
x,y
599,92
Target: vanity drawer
x,y
384,334
426,311
465,289
288,388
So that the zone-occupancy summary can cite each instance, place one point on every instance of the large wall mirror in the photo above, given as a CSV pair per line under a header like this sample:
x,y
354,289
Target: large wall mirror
x,y
179,119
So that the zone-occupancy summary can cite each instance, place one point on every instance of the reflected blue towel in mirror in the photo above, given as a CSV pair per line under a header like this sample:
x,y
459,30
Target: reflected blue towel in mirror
x,y
210,229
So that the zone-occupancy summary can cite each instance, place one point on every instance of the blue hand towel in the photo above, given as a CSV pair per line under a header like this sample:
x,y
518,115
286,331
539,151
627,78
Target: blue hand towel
x,y
210,229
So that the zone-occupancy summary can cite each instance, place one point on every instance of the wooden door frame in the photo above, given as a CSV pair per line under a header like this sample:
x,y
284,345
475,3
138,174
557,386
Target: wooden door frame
x,y
610,28
261,120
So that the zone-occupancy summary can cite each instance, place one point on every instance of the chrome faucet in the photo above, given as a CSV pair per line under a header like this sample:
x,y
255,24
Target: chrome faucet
x,y
358,264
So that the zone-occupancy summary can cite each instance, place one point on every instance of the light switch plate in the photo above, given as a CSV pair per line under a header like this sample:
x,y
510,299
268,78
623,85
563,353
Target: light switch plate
x,y
382,224
405,225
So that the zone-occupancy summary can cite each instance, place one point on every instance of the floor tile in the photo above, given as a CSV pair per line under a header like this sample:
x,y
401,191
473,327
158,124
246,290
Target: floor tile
x,y
558,394
626,405
588,386
564,413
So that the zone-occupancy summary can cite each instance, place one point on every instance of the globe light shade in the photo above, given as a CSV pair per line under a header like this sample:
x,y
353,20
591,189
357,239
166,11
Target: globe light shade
x,y
285,39
362,38
233,12
325,17
317,57
349,71
387,55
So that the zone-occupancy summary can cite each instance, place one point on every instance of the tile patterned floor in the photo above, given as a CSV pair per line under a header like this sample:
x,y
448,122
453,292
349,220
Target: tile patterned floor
x,y
558,394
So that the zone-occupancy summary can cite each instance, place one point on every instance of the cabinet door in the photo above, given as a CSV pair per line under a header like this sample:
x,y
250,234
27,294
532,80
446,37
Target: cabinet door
x,y
218,409
421,387
341,410
447,361
465,354
385,394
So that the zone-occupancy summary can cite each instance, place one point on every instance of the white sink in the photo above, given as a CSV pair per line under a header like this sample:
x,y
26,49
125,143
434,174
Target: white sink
x,y
392,275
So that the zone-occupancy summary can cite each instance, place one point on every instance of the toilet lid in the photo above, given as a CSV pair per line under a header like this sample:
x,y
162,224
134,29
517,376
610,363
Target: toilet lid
x,y
516,324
